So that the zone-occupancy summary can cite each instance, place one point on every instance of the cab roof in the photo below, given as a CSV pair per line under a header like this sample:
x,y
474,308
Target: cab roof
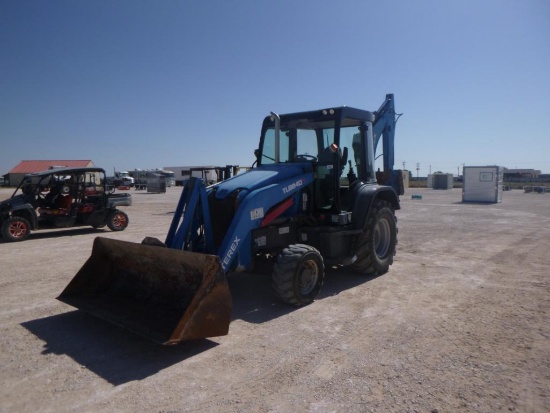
x,y
67,171
329,113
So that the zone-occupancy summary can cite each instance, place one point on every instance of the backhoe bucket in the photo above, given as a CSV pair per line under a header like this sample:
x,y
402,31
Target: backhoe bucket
x,y
163,294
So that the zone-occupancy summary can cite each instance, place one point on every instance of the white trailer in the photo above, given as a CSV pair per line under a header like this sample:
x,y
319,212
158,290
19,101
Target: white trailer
x,y
209,174
183,173
482,183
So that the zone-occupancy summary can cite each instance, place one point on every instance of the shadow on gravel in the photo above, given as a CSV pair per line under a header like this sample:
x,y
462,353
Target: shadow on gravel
x,y
255,301
474,203
112,353
120,356
62,233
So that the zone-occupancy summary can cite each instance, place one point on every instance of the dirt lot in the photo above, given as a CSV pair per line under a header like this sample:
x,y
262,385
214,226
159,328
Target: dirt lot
x,y
459,324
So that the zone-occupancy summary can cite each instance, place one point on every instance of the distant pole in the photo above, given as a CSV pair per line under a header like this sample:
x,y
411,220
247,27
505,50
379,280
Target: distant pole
x,y
404,166
417,168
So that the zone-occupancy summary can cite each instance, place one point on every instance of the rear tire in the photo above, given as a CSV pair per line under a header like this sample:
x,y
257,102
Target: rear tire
x,y
16,229
298,274
117,220
376,246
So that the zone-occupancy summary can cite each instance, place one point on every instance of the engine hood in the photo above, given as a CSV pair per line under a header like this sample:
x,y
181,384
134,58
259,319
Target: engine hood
x,y
13,202
259,178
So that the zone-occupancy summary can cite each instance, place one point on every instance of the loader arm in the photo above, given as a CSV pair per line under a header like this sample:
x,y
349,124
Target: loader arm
x,y
184,228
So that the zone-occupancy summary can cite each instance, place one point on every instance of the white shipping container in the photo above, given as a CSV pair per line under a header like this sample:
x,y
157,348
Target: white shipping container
x,y
482,183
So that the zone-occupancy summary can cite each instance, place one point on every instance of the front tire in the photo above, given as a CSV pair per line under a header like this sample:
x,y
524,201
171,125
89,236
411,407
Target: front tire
x,y
16,229
376,246
117,220
298,274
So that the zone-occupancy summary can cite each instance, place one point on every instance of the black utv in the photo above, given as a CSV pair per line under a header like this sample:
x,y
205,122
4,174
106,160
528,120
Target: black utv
x,y
62,198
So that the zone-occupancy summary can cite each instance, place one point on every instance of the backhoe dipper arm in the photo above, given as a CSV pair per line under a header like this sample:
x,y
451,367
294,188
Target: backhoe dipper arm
x,y
384,127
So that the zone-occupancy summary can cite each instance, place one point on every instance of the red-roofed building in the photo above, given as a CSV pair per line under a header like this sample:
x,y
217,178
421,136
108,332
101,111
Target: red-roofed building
x,y
13,177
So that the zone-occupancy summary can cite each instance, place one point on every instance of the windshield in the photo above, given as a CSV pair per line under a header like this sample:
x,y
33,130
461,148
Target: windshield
x,y
298,141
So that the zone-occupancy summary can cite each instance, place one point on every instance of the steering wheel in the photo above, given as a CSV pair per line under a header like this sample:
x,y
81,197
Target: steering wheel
x,y
306,156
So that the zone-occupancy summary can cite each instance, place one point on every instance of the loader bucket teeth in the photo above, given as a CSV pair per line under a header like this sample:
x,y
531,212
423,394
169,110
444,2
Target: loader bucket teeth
x,y
163,294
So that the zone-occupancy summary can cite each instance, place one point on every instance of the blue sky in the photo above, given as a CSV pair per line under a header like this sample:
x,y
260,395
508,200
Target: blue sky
x,y
144,84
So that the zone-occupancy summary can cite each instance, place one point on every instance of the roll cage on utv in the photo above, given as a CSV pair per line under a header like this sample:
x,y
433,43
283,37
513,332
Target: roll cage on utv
x,y
62,198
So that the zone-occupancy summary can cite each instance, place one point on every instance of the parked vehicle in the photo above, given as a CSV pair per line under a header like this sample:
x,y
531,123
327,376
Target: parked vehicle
x,y
62,198
304,205
120,179
152,180
169,176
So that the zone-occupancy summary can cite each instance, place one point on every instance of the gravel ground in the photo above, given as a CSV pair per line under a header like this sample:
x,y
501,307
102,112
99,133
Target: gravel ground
x,y
460,323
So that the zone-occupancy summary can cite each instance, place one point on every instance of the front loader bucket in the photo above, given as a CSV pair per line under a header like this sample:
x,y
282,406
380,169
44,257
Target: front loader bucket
x,y
160,293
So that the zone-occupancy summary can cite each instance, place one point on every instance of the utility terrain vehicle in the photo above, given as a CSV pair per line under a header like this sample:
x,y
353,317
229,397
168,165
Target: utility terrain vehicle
x,y
62,198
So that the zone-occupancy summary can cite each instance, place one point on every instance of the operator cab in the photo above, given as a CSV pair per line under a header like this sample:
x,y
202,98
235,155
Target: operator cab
x,y
337,143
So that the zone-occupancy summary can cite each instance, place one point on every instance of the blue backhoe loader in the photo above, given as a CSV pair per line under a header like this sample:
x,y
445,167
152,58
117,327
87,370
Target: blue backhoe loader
x,y
312,199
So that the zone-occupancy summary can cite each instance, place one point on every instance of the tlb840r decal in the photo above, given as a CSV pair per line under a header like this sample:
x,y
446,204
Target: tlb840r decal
x,y
293,186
